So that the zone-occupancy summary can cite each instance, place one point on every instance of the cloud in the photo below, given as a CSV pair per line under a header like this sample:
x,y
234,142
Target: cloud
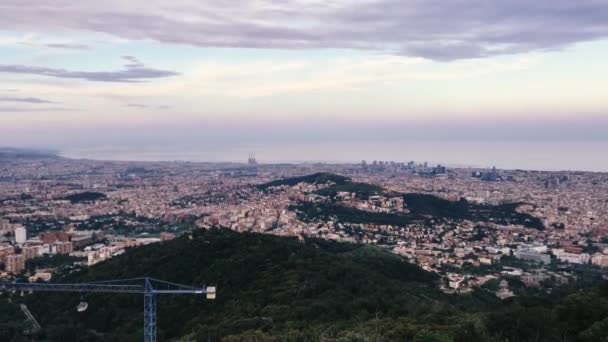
x,y
143,106
33,100
136,105
8,40
134,62
33,40
248,80
434,29
34,110
133,72
68,46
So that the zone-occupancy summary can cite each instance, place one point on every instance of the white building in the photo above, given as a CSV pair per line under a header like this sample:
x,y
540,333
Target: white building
x,y
531,255
572,258
20,235
535,247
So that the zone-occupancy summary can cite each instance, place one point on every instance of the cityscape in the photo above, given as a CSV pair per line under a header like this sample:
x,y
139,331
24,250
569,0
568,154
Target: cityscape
x,y
303,171
547,226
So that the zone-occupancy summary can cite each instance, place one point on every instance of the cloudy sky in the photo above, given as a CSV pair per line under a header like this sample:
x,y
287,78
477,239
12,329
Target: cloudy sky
x,y
87,73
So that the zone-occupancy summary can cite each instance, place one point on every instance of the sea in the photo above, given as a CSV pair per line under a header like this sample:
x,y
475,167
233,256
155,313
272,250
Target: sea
x,y
527,155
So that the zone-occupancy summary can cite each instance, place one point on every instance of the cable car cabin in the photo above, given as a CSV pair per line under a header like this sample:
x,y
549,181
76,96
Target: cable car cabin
x,y
211,291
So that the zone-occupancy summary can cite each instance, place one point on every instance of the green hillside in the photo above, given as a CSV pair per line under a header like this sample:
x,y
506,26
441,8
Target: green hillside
x,y
317,178
361,190
422,207
85,197
280,289
505,214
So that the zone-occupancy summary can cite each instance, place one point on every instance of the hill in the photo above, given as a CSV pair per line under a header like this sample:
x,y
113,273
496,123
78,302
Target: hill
x,y
13,153
361,190
280,289
317,178
423,209
277,286
504,214
88,196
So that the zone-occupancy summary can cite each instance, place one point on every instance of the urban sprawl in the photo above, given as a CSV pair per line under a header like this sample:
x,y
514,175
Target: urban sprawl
x,y
540,228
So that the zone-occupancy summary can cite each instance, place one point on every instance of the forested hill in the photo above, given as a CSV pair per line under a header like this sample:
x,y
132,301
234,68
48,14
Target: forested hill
x,y
85,197
280,289
317,178
277,286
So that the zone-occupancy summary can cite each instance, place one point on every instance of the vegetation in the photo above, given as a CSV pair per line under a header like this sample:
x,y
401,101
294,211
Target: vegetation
x,y
429,205
37,225
266,283
51,261
85,197
308,211
317,178
11,326
361,190
132,225
423,209
279,289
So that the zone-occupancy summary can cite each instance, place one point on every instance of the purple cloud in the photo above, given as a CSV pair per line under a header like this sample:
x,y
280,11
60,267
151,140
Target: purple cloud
x,y
436,29
136,105
144,106
37,109
33,100
132,73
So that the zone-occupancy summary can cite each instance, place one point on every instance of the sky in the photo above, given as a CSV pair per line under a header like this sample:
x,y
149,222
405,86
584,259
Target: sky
x,y
91,74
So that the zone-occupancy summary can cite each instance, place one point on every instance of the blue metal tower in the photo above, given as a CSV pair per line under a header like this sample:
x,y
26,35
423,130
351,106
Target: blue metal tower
x,y
149,313
149,287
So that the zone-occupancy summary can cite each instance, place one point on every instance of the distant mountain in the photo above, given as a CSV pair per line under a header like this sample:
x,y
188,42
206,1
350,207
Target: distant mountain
x,y
281,289
10,153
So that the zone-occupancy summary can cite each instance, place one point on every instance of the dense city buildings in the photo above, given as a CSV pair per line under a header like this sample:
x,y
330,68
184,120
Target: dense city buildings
x,y
530,224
